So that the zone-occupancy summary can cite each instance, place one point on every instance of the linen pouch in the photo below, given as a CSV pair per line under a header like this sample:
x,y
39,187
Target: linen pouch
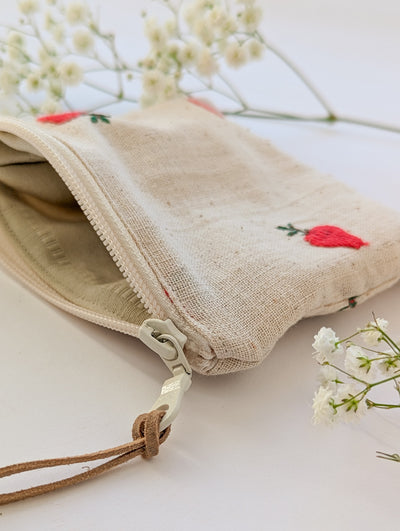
x,y
173,212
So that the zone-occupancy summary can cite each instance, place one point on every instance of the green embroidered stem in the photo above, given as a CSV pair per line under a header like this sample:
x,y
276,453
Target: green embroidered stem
x,y
95,118
291,230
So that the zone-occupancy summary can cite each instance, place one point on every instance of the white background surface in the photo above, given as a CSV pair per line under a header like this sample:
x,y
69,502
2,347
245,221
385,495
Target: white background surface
x,y
243,453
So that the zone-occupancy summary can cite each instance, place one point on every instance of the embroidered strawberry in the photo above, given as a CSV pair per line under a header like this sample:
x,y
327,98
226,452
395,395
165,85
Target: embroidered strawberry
x,y
205,105
351,303
326,236
60,118
68,116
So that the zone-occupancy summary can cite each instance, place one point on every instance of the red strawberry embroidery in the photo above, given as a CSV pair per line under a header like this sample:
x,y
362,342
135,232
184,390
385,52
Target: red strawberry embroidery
x,y
59,118
68,116
326,236
205,105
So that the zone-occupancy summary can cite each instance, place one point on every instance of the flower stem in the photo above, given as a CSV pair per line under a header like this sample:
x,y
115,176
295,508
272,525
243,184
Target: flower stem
x,y
352,377
390,342
390,457
378,405
108,92
272,115
234,91
285,59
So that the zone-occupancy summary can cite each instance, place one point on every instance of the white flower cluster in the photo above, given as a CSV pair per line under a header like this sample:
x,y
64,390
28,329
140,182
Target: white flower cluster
x,y
348,374
372,334
60,46
40,63
201,36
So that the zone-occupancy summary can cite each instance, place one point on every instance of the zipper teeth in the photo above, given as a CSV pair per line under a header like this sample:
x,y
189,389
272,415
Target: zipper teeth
x,y
75,187
148,301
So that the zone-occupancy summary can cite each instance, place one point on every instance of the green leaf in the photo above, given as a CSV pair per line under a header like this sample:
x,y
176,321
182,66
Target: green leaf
x,y
94,119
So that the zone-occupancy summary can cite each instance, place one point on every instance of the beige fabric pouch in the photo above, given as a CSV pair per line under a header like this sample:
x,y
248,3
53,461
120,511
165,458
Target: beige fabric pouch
x,y
172,212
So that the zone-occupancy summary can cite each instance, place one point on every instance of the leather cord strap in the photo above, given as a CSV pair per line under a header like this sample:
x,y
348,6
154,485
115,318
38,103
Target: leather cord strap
x,y
146,441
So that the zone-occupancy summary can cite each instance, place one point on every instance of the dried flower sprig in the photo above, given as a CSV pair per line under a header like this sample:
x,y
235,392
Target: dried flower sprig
x,y
59,45
350,372
56,47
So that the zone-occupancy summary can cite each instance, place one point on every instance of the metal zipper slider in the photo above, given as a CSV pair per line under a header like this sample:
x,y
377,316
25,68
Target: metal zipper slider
x,y
164,338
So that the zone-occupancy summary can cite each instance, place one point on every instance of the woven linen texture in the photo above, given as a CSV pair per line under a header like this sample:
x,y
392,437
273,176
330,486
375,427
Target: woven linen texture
x,y
195,201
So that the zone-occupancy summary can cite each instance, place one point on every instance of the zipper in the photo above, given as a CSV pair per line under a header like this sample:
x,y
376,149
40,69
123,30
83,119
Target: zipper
x,y
99,225
163,337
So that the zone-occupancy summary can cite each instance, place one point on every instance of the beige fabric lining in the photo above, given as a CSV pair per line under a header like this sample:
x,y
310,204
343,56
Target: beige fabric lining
x,y
60,245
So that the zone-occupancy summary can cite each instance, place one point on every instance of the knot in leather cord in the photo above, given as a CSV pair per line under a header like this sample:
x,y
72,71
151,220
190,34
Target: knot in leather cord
x,y
146,442
147,427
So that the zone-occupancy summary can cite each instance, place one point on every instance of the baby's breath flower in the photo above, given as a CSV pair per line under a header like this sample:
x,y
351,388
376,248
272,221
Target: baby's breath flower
x,y
228,27
195,10
153,82
155,33
216,17
15,46
359,364
83,40
189,14
28,7
17,54
58,33
173,49
50,106
34,82
70,73
149,62
328,375
206,65
171,27
322,406
349,406
9,80
373,336
343,395
204,32
76,13
325,345
170,88
189,53
389,366
251,17
15,39
235,55
165,64
47,51
55,89
48,67
254,48
48,21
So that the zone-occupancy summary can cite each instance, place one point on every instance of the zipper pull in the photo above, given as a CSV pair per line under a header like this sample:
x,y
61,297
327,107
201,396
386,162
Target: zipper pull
x,y
164,338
